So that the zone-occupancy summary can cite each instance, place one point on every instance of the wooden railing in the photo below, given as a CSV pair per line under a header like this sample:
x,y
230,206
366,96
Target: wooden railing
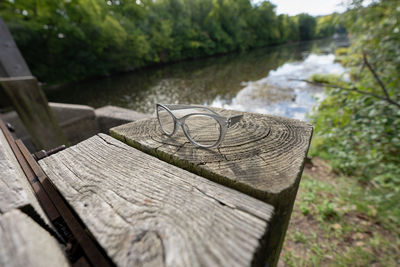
x,y
21,90
178,206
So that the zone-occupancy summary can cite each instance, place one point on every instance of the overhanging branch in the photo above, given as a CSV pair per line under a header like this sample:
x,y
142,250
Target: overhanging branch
x,y
375,75
352,89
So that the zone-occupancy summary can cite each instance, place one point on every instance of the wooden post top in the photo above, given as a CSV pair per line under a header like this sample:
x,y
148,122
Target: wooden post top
x,y
262,155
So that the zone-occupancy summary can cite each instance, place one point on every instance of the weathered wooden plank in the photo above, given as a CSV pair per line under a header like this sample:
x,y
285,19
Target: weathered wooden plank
x,y
77,230
145,212
12,193
262,156
32,107
24,243
12,64
15,190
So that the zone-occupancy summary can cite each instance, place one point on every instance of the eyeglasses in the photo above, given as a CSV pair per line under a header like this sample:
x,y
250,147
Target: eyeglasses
x,y
203,129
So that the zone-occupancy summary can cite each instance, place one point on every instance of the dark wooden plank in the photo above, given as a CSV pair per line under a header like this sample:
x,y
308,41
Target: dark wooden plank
x,y
24,243
145,212
12,64
262,156
32,107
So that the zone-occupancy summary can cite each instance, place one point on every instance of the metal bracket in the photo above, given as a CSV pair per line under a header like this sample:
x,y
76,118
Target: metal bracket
x,y
43,153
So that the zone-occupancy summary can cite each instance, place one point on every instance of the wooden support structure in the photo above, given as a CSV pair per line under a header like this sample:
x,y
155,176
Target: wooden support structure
x,y
23,91
26,238
146,212
12,64
262,156
123,207
33,109
15,190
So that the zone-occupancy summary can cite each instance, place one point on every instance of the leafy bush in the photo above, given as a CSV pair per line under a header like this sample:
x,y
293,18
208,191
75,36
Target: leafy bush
x,y
358,124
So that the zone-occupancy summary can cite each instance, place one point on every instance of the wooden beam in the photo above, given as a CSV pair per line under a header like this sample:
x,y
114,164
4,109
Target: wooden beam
x,y
12,64
145,212
25,243
32,107
262,156
15,190
25,94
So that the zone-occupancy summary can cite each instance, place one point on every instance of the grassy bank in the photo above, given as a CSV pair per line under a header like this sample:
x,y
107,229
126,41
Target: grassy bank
x,y
338,222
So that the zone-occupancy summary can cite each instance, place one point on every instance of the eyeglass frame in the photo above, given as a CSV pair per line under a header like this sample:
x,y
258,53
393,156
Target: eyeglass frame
x,y
224,122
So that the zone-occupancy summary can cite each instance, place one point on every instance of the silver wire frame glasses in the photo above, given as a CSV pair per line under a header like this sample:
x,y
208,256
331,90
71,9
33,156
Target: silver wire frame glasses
x,y
203,129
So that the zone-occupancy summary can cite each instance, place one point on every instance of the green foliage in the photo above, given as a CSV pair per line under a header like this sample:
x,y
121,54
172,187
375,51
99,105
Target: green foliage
x,y
307,26
329,25
360,132
72,39
346,224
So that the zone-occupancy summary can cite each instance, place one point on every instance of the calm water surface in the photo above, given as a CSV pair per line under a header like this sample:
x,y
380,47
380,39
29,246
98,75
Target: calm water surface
x,y
256,81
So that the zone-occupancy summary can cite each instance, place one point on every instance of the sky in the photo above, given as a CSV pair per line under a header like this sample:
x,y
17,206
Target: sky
x,y
312,7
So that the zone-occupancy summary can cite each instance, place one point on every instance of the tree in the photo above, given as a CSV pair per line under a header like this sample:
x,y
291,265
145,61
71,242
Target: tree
x,y
70,40
307,25
358,124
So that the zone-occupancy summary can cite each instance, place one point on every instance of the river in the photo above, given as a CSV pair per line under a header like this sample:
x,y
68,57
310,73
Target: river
x,y
258,81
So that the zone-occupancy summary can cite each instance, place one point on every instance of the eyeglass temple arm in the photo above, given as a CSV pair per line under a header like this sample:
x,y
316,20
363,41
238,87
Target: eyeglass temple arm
x,y
177,107
234,119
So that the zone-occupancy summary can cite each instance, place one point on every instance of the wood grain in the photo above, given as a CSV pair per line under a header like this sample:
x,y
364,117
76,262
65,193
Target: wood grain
x,y
24,243
262,156
33,109
145,212
15,190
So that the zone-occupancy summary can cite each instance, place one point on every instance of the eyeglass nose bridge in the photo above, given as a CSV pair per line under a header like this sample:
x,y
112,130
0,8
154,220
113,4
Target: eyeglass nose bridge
x,y
179,122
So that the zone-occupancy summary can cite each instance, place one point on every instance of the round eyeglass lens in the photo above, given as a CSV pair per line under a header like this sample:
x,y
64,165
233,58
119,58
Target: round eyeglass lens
x,y
166,120
203,130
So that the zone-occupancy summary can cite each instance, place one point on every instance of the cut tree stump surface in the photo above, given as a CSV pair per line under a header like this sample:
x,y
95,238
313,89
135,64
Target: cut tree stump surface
x,y
145,212
262,156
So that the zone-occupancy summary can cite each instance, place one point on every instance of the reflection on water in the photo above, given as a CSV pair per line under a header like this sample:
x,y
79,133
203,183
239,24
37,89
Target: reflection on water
x,y
252,81
280,93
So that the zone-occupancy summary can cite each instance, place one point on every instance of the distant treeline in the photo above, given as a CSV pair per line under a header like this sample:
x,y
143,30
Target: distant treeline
x,y
72,39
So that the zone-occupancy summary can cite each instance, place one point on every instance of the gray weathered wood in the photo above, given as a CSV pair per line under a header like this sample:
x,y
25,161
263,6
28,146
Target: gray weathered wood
x,y
262,156
25,95
145,212
13,194
15,190
12,64
111,116
32,107
24,243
